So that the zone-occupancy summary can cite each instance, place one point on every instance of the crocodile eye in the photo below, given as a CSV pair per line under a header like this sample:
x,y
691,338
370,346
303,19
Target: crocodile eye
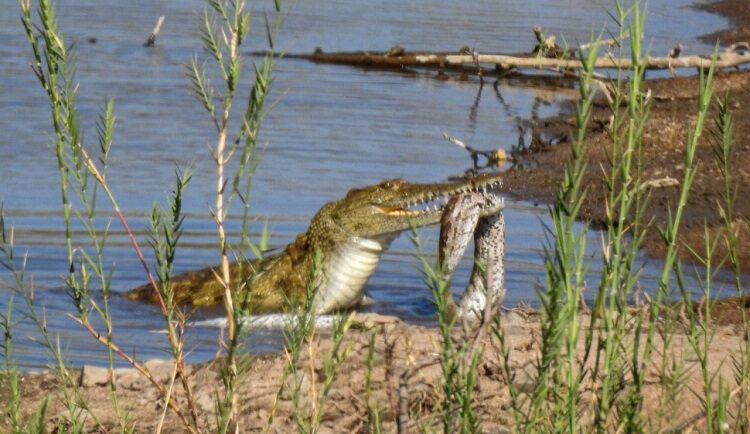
x,y
392,184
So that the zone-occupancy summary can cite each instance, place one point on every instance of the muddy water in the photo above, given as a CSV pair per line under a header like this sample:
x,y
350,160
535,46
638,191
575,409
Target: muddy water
x,y
334,128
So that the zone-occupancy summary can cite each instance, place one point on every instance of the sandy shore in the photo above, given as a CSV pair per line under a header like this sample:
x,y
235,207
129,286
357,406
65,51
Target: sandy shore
x,y
399,348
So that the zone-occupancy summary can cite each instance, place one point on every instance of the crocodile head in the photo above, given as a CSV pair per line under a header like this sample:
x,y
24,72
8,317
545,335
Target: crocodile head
x,y
392,206
352,232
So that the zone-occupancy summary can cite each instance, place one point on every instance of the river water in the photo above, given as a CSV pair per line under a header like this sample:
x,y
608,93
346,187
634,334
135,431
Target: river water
x,y
334,128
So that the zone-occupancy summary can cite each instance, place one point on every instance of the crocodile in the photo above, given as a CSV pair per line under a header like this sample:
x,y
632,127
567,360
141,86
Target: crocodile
x,y
348,237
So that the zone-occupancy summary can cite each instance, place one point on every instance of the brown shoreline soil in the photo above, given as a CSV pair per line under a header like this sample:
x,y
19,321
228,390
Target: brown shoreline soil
x,y
399,348
738,13
673,112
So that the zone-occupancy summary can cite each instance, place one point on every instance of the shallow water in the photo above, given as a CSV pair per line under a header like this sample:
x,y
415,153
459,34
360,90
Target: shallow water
x,y
334,128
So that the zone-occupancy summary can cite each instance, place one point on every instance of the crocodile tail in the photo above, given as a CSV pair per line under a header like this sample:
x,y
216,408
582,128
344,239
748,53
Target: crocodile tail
x,y
198,288
143,293
201,287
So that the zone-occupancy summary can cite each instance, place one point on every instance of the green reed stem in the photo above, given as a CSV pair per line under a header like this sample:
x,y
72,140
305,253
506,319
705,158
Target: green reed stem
x,y
566,267
225,26
670,233
724,152
55,73
624,208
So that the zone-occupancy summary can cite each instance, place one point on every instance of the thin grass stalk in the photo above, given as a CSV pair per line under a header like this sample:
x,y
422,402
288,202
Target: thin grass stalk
x,y
105,131
724,151
168,397
374,424
49,60
600,323
173,333
166,231
300,328
87,195
9,376
141,370
55,74
520,417
73,158
301,331
248,162
458,360
332,361
449,356
224,29
71,397
468,422
673,366
670,232
554,401
230,68
700,333
624,208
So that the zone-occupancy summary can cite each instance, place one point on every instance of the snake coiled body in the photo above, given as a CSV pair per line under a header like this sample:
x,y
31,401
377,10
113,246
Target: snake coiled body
x,y
462,220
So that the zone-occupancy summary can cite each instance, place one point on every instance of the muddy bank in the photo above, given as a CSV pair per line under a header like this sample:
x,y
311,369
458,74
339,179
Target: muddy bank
x,y
672,112
738,13
398,348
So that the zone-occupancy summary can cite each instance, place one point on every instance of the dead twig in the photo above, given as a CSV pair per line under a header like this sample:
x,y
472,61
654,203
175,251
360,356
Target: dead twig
x,y
167,398
151,41
494,157
138,367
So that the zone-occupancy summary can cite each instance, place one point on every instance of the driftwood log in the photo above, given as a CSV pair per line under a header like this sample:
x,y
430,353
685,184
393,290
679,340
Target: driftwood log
x,y
735,55
546,55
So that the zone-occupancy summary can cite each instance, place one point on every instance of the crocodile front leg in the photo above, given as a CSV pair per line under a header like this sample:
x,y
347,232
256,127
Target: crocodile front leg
x,y
460,220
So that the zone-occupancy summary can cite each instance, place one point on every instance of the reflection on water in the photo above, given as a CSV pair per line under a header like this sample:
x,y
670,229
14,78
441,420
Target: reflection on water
x,y
334,128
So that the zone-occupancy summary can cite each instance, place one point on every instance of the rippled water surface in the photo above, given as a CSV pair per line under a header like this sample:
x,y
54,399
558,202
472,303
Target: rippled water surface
x,y
335,127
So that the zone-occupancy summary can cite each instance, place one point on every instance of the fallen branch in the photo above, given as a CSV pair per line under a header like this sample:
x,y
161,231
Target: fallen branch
x,y
470,62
